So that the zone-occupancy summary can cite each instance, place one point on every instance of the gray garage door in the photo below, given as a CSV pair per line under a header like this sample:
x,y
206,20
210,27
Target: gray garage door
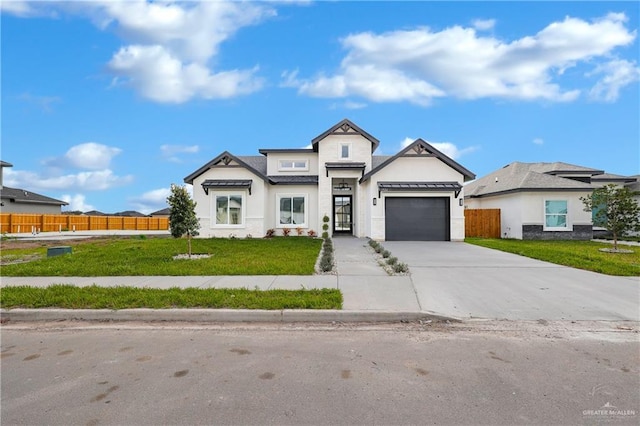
x,y
417,219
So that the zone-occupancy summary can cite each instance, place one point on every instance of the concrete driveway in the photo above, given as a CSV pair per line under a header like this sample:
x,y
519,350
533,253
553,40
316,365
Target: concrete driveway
x,y
463,280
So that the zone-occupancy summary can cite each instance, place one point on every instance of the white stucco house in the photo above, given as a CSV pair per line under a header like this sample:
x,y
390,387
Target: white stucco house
x,y
541,200
416,194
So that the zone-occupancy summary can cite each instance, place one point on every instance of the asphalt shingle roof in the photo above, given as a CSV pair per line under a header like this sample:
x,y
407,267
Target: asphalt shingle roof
x,y
23,196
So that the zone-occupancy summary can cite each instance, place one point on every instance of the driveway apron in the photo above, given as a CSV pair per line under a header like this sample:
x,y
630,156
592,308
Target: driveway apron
x,y
464,281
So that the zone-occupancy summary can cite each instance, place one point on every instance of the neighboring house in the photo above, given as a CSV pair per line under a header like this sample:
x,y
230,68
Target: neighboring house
x,y
129,213
413,195
94,213
161,213
15,200
540,200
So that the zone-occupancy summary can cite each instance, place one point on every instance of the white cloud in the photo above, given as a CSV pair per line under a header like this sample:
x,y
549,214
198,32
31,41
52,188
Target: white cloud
x,y
349,105
43,102
538,141
151,201
419,65
447,148
89,155
76,202
84,181
170,45
170,152
617,74
484,24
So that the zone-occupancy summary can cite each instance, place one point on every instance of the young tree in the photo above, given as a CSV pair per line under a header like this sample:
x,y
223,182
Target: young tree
x,y
182,219
614,209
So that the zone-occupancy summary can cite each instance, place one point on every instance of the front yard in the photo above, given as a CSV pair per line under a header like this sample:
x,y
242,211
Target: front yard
x,y
577,254
135,256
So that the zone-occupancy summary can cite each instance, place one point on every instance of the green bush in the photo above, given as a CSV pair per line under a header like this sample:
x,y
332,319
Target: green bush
x,y
392,260
325,235
400,267
325,219
374,243
386,253
378,248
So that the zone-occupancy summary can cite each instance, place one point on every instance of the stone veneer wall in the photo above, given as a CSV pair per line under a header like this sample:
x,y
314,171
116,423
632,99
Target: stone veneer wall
x,y
535,232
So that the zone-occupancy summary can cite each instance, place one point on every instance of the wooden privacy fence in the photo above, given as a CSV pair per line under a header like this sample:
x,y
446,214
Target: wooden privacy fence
x,y
484,223
20,223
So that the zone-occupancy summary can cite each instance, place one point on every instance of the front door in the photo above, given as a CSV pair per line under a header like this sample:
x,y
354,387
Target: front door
x,y
342,214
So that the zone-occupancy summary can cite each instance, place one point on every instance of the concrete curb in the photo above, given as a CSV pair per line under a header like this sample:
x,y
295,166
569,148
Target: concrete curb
x,y
216,315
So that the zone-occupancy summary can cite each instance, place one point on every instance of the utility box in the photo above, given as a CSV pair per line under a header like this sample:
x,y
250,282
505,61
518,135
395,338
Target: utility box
x,y
57,251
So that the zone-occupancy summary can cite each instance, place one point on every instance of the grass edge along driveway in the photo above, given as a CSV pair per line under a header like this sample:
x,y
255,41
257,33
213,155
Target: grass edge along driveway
x,y
95,297
144,257
576,254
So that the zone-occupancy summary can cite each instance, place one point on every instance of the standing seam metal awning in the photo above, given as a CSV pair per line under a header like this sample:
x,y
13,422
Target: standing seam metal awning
x,y
420,186
227,184
347,165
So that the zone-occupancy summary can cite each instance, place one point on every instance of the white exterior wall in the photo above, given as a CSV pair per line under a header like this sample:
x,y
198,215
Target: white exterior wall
x,y
328,152
273,158
510,206
271,207
527,208
413,169
253,205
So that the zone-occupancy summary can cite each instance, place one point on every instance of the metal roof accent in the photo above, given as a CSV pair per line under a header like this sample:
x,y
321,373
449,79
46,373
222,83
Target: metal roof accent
x,y
285,151
420,186
294,180
350,165
426,149
227,183
5,164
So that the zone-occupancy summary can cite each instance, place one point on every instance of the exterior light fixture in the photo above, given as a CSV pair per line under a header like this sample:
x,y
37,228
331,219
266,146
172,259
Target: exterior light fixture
x,y
375,201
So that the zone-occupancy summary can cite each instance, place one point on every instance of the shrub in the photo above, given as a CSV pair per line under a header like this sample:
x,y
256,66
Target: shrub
x,y
248,236
286,231
311,233
325,227
373,243
325,235
325,219
386,253
392,260
270,233
400,267
378,248
300,231
326,264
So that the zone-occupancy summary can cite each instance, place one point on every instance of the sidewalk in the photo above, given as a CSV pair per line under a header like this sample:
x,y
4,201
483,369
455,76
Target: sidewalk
x,y
369,293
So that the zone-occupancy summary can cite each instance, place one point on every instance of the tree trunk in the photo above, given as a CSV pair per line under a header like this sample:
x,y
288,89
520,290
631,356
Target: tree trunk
x,y
615,240
189,243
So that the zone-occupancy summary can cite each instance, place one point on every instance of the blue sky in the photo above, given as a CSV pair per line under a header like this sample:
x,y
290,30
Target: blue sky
x,y
106,103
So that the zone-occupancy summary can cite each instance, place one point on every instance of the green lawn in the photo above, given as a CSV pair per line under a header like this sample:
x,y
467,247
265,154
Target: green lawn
x,y
94,297
577,254
154,256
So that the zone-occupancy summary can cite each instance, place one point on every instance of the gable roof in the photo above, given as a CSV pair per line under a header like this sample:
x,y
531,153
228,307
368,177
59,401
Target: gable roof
x,y
255,164
162,212
519,176
345,127
16,195
418,145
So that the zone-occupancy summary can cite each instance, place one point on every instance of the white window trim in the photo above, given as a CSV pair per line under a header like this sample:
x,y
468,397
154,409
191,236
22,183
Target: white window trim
x,y
340,145
544,216
294,168
215,225
306,211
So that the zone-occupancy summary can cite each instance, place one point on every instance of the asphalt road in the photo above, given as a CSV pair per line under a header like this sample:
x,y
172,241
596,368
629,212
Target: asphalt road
x,y
473,373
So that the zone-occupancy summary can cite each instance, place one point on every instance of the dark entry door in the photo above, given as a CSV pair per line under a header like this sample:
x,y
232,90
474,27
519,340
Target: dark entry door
x,y
417,219
342,214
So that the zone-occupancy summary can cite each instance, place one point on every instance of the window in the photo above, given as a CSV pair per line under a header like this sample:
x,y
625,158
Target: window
x,y
292,211
229,209
293,165
555,214
344,151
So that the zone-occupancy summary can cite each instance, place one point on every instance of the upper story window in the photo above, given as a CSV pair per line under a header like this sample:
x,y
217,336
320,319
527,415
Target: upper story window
x,y
344,151
555,215
293,165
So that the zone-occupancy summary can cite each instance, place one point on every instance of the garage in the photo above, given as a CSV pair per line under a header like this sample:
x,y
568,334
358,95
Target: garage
x,y
417,219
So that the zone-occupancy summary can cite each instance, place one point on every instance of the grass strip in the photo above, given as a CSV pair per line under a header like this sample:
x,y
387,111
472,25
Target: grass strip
x,y
576,254
94,297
